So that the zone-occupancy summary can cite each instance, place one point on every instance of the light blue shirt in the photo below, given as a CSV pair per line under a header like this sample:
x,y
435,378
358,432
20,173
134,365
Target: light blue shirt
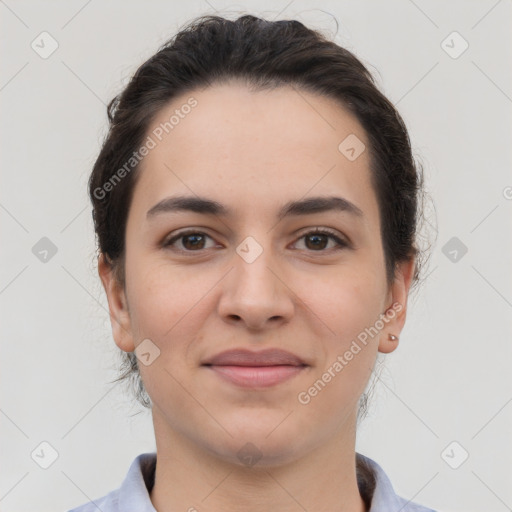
x,y
133,495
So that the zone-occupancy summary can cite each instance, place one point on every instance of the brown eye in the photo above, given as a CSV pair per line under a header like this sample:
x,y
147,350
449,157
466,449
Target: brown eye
x,y
315,241
189,241
318,240
193,241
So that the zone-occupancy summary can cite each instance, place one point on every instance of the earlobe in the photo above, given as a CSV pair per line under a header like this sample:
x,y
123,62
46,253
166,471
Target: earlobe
x,y
397,312
118,306
388,343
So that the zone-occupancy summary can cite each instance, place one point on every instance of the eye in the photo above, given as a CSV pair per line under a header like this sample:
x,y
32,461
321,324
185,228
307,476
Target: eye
x,y
318,239
190,241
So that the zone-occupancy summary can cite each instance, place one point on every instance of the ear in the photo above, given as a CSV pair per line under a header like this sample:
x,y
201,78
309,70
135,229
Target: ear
x,y
118,306
396,309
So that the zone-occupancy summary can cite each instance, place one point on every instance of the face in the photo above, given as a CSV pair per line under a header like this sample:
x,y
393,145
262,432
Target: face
x,y
280,249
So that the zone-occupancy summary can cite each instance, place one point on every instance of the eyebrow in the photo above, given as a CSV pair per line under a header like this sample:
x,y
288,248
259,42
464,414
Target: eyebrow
x,y
293,208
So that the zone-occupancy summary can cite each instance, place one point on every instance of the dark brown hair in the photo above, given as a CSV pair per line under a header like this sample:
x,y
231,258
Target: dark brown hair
x,y
264,55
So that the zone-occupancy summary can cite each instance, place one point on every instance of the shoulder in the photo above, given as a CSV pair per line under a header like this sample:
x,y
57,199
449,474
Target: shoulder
x,y
133,494
374,482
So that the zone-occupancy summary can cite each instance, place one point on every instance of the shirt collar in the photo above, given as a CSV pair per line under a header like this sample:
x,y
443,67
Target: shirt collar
x,y
374,485
134,493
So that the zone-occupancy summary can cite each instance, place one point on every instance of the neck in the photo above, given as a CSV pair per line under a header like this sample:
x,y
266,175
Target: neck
x,y
189,478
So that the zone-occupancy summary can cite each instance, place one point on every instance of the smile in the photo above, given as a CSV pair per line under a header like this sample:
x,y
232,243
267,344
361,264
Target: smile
x,y
257,376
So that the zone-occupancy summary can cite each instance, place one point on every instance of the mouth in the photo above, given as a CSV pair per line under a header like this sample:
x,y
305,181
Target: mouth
x,y
262,369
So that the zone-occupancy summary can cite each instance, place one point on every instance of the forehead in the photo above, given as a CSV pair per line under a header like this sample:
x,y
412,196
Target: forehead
x,y
236,145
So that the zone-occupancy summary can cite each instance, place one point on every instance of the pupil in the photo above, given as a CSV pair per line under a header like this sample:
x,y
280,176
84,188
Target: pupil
x,y
194,244
317,237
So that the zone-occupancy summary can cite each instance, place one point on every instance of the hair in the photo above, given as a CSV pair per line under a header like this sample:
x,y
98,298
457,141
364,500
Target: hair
x,y
263,55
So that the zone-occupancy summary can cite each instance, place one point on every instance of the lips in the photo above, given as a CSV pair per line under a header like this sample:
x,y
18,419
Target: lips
x,y
248,369
268,357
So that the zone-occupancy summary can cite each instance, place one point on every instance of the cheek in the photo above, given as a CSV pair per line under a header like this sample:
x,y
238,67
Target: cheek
x,y
346,300
169,307
350,306
169,304
163,298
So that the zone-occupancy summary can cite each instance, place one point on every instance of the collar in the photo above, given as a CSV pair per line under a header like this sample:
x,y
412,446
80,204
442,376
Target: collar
x,y
133,495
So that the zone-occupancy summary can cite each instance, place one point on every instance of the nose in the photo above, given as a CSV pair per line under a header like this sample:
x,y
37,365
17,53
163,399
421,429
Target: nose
x,y
256,294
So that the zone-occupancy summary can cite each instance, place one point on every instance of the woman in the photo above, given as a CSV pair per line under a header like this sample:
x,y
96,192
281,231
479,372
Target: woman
x,y
256,206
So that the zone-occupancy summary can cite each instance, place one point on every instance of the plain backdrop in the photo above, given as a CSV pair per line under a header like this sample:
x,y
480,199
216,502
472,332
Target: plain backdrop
x,y
444,395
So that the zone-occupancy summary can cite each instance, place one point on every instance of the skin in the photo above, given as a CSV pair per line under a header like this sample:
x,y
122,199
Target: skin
x,y
253,152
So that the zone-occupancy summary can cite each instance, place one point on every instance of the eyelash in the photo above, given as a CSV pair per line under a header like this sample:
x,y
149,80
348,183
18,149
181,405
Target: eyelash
x,y
341,244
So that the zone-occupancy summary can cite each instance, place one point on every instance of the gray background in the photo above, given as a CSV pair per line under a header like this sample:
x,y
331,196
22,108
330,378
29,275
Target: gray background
x,y
449,380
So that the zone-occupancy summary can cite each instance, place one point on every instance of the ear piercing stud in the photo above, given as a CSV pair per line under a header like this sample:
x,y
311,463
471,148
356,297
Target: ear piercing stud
x,y
392,337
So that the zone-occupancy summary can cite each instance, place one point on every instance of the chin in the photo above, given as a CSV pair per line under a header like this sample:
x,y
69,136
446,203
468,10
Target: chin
x,y
259,441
